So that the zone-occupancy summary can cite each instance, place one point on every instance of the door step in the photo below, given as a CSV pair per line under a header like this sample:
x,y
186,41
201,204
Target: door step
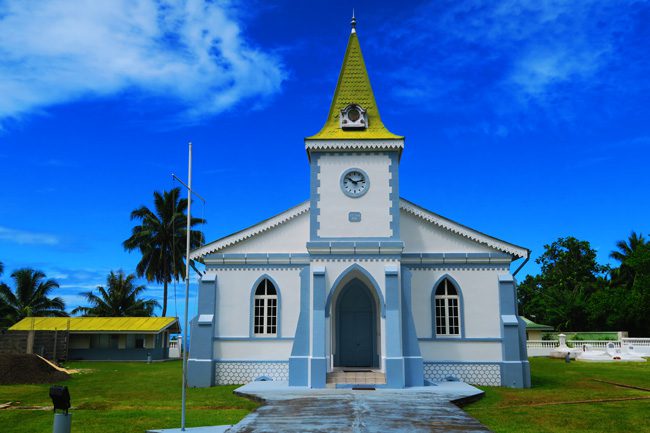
x,y
356,377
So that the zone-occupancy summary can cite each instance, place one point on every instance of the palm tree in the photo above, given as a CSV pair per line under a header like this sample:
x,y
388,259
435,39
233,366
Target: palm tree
x,y
160,237
627,248
624,274
120,298
30,297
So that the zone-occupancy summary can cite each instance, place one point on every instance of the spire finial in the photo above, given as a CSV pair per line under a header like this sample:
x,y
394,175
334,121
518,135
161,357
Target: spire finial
x,y
353,23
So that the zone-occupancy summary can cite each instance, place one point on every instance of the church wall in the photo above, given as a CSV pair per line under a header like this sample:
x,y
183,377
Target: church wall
x,y
460,351
290,237
420,236
233,301
480,293
374,206
259,350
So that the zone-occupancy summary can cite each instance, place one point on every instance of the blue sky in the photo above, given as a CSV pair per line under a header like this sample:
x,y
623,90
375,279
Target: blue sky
x,y
526,120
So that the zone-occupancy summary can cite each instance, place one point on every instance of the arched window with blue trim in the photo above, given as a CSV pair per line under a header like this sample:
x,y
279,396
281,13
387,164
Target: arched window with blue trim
x,y
447,309
265,309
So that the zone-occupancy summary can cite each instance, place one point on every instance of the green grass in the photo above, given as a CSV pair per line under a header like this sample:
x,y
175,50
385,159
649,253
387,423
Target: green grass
x,y
506,410
132,397
123,397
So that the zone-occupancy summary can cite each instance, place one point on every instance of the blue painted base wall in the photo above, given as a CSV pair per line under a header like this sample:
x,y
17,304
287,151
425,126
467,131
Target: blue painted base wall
x,y
200,374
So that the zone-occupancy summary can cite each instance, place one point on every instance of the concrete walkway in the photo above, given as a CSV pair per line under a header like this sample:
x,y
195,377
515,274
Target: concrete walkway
x,y
413,410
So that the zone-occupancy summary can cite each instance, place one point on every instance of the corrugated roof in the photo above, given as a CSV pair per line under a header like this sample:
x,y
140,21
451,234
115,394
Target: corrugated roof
x,y
354,87
97,324
535,326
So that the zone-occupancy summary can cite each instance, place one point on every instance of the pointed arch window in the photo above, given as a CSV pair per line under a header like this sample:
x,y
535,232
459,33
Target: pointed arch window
x,y
265,309
447,309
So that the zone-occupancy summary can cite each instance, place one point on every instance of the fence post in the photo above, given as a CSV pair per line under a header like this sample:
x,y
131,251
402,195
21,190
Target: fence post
x,y
54,351
30,342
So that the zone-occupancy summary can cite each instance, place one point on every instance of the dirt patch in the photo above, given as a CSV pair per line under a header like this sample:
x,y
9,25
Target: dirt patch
x,y
24,369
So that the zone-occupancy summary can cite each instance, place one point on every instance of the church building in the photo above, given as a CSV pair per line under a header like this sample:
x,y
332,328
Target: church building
x,y
357,285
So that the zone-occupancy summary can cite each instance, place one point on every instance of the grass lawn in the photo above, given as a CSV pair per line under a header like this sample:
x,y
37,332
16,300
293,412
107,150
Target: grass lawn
x,y
133,397
554,381
123,397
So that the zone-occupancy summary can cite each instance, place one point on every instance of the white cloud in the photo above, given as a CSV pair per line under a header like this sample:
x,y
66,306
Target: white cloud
x,y
24,237
192,51
506,50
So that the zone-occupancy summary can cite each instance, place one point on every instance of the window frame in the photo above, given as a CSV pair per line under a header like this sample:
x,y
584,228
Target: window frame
x,y
265,302
445,303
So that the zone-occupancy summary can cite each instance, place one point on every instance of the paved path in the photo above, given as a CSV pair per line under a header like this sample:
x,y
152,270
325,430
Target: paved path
x,y
415,410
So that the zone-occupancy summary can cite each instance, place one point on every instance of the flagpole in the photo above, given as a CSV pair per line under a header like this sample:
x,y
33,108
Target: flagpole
x,y
187,285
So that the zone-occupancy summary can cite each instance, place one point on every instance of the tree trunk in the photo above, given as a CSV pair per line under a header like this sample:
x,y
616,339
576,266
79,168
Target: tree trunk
x,y
164,310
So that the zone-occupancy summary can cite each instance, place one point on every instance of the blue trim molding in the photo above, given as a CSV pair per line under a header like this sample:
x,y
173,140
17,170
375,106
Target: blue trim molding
x,y
317,360
337,287
515,369
314,199
413,367
394,193
461,311
394,357
251,320
200,371
298,362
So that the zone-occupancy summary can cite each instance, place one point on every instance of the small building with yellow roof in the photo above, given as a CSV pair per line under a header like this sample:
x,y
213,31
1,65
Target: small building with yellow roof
x,y
106,338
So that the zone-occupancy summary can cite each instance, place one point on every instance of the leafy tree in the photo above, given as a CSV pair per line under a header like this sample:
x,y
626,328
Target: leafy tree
x,y
639,296
120,298
160,237
560,295
30,297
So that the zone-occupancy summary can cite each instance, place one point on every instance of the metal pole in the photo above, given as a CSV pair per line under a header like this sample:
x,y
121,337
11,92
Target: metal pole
x,y
187,283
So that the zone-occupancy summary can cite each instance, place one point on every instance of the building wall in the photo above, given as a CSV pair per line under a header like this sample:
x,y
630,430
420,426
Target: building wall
x,y
480,294
233,334
374,206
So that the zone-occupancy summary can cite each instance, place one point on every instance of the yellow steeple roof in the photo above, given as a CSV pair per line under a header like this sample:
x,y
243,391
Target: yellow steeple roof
x,y
354,87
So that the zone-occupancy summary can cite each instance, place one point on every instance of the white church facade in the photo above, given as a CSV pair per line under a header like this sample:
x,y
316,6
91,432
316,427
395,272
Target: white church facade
x,y
357,278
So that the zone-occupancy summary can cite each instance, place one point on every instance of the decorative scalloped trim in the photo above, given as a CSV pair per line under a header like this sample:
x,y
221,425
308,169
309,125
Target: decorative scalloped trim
x,y
404,205
251,231
461,230
354,144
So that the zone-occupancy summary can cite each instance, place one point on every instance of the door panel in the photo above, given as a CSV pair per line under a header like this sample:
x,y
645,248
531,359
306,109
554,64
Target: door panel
x,y
356,326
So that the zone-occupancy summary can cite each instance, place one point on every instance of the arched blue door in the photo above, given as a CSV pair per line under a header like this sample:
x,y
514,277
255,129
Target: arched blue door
x,y
355,326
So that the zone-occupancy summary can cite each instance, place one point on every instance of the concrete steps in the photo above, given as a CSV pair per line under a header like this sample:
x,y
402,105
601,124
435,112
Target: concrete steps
x,y
355,377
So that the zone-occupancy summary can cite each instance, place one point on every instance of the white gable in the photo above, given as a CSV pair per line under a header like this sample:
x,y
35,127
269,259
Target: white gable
x,y
289,237
420,236
426,232
287,232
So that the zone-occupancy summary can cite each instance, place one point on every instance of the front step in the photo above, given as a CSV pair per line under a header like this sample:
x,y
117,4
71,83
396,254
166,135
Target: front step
x,y
361,377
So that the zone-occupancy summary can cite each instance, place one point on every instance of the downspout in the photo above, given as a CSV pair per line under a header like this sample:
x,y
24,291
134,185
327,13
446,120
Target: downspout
x,y
523,264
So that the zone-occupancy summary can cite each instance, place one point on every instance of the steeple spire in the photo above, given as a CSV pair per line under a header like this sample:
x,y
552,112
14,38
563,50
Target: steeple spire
x,y
354,89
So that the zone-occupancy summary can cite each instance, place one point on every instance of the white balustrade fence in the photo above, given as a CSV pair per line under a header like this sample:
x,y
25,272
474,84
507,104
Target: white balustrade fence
x,y
544,347
641,345
541,347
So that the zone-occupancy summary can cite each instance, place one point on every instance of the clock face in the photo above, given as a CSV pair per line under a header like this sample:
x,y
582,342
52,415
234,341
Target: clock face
x,y
354,183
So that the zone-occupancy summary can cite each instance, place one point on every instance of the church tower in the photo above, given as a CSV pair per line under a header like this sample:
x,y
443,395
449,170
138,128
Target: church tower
x,y
354,163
